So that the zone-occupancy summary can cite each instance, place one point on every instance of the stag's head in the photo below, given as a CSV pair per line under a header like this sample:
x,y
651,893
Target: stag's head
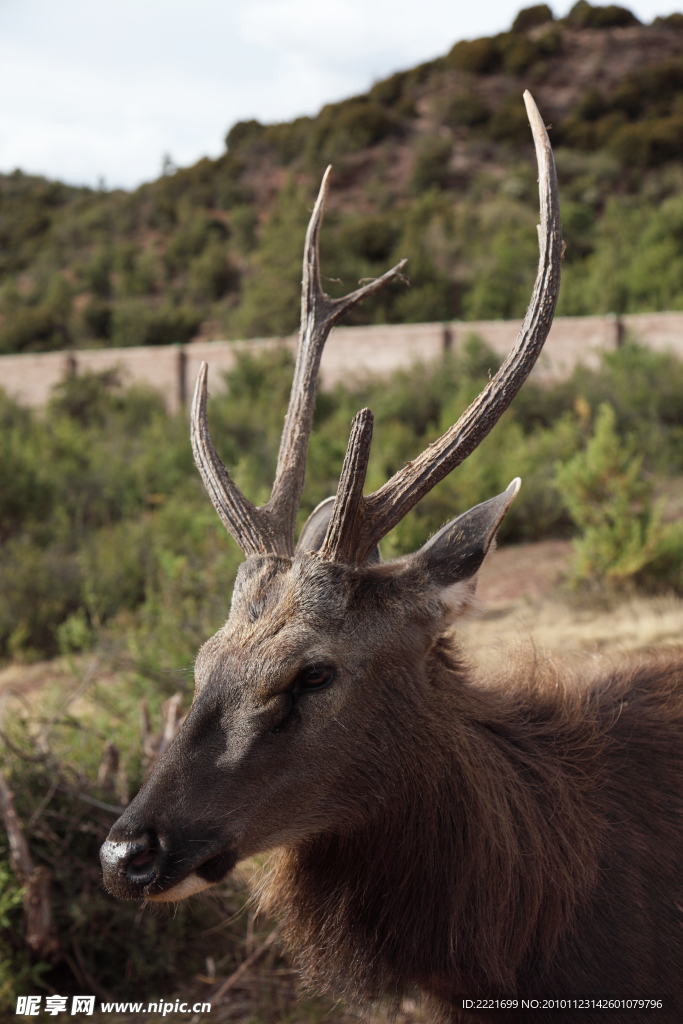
x,y
327,653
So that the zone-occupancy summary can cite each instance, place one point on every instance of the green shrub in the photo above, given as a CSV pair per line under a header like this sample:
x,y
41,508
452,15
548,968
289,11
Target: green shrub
x,y
191,240
270,299
289,140
509,122
40,589
518,53
370,238
530,17
97,317
649,143
432,165
34,329
623,540
86,397
390,90
97,273
244,133
467,109
243,222
211,275
134,323
478,56
584,15
674,21
348,127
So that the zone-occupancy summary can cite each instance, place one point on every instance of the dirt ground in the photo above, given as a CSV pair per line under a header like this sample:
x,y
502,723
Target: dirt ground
x,y
524,599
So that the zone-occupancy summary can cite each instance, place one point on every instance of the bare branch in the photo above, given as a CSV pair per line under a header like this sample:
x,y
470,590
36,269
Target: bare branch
x,y
238,974
40,931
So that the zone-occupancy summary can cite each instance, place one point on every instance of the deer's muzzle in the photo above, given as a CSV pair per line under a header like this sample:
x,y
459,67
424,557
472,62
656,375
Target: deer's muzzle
x,y
143,869
130,868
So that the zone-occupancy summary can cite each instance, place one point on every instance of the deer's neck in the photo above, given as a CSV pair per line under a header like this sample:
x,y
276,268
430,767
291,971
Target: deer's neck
x,y
481,843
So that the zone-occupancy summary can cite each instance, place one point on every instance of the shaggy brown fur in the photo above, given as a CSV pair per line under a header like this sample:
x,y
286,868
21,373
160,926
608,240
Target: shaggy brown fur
x,y
435,832
531,845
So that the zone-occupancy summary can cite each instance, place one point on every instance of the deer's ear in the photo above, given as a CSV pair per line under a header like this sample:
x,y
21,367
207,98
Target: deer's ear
x,y
315,528
452,557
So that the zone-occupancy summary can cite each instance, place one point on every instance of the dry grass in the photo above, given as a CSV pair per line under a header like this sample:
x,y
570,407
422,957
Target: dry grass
x,y
522,602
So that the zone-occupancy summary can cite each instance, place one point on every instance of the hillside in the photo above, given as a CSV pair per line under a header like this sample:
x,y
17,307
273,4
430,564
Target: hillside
x,y
434,163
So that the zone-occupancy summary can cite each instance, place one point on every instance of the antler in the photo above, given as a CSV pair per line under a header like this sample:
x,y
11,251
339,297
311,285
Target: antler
x,y
270,528
359,523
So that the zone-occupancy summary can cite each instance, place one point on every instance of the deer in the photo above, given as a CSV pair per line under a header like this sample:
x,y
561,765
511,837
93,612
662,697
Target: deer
x,y
485,844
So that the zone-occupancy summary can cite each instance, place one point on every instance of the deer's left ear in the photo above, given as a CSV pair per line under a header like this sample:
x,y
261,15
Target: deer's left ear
x,y
453,556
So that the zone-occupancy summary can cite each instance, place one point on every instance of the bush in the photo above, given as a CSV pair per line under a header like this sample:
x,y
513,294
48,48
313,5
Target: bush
x,y
509,123
97,273
468,110
370,238
67,805
211,275
97,316
478,56
290,140
674,21
530,17
34,329
623,540
390,90
432,165
134,323
191,240
348,127
244,133
584,15
518,53
649,143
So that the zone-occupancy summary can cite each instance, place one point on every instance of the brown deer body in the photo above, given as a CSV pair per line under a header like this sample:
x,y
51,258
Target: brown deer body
x,y
434,832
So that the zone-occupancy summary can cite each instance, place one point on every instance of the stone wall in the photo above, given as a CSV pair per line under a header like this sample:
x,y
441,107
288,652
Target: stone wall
x,y
351,352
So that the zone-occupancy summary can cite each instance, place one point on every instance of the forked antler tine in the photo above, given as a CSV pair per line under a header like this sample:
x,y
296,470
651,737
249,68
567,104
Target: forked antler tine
x,y
319,313
237,513
270,528
382,510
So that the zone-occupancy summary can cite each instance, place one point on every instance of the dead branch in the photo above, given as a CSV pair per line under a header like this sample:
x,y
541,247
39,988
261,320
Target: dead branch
x,y
40,931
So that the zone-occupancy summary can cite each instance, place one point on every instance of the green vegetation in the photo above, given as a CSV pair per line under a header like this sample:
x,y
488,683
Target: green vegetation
x,y
111,554
105,530
434,163
623,539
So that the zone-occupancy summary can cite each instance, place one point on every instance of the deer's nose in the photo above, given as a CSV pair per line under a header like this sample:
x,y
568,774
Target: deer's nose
x,y
129,867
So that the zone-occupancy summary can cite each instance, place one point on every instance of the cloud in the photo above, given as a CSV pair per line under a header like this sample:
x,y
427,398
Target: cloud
x,y
106,88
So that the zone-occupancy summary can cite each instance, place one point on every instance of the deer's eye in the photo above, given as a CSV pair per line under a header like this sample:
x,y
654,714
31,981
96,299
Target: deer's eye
x,y
314,677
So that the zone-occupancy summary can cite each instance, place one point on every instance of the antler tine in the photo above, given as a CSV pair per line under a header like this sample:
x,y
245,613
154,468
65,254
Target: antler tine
x,y
382,510
340,539
270,528
239,516
319,313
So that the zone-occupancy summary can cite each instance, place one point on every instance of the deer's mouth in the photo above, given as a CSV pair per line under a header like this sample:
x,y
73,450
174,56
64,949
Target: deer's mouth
x,y
206,874
144,870
216,868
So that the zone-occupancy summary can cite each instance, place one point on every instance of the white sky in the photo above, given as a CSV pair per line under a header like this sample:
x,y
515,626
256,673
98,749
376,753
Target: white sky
x,y
103,88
